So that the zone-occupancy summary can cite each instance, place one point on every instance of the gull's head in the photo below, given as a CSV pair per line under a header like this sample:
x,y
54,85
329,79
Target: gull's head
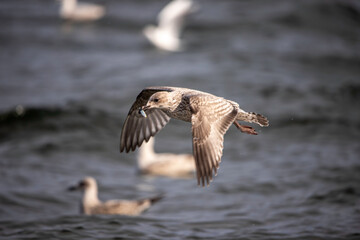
x,y
84,184
159,100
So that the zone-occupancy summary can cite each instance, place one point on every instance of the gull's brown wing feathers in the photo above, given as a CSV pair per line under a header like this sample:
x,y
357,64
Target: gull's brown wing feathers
x,y
211,118
137,128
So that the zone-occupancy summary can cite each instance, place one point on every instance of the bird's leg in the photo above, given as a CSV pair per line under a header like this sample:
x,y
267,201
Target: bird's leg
x,y
245,129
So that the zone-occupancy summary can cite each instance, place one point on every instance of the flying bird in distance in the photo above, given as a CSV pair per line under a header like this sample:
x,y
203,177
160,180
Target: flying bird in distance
x,y
171,20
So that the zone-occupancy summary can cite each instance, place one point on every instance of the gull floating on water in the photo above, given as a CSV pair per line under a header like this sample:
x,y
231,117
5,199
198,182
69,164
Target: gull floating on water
x,y
91,204
209,115
164,164
171,20
72,10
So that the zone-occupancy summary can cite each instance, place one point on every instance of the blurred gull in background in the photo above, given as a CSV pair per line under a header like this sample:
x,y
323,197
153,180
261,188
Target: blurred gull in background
x,y
171,20
91,204
164,164
72,10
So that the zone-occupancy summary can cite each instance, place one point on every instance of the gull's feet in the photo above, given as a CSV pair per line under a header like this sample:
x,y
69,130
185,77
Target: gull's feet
x,y
245,129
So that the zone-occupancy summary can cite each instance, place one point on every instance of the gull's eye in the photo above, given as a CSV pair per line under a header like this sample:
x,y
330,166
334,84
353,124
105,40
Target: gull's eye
x,y
156,100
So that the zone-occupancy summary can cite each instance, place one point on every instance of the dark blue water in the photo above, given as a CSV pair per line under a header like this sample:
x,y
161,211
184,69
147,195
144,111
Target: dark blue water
x,y
65,90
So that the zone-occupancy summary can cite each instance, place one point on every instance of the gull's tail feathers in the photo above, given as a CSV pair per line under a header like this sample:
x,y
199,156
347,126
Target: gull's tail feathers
x,y
252,117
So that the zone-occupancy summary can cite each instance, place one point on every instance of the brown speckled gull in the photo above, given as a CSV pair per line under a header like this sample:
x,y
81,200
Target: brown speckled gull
x,y
91,205
210,117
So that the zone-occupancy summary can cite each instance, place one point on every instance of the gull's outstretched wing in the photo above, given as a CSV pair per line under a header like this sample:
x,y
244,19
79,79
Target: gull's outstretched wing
x,y
137,128
212,116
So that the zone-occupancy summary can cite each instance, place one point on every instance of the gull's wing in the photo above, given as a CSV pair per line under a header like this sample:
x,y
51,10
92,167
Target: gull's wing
x,y
172,16
212,116
137,128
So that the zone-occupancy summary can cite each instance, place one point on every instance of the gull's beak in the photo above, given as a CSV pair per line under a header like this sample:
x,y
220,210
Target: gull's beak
x,y
73,188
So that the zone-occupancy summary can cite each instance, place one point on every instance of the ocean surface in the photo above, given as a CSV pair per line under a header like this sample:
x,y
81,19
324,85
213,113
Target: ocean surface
x,y
66,88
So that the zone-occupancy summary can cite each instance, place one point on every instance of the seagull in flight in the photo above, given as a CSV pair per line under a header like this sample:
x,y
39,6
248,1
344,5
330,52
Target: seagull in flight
x,y
171,20
210,117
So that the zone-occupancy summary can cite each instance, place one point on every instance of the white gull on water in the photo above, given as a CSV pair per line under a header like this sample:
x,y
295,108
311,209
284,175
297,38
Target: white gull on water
x,y
171,20
72,10
209,115
164,164
91,205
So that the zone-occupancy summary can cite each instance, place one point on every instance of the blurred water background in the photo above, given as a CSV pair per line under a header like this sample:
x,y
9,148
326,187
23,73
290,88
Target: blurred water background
x,y
66,88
